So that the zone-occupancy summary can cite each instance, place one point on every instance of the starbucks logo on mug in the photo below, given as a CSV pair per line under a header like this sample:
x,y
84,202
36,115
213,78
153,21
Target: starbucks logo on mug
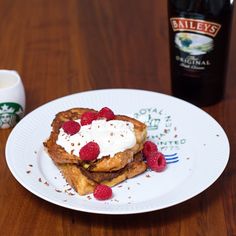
x,y
12,98
10,114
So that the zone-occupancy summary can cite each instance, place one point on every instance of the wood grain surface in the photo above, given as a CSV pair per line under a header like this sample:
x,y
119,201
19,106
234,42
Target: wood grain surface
x,y
61,47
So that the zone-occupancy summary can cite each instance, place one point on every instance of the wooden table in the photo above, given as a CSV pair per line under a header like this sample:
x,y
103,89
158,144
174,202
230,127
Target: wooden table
x,y
63,47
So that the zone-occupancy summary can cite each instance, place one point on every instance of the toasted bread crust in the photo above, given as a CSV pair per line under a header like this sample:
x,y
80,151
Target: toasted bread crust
x,y
118,161
85,182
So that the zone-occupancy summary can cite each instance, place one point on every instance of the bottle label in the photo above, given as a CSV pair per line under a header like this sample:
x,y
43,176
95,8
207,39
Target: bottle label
x,y
194,25
194,41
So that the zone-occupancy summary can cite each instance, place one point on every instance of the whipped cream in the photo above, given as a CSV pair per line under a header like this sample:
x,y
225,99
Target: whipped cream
x,y
112,137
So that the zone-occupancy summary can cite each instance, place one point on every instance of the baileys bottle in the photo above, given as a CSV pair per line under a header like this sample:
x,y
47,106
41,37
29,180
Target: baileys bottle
x,y
199,42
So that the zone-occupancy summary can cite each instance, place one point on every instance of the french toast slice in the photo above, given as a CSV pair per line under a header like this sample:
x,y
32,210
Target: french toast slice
x,y
106,163
84,181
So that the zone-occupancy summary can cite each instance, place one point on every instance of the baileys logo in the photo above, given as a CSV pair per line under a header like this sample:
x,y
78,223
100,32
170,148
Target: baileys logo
x,y
195,25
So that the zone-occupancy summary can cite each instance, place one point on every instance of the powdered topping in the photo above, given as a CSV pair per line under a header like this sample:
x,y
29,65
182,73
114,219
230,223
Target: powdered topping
x,y
112,136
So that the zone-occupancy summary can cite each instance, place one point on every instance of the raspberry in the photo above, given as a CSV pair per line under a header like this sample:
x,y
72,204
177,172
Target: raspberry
x,y
71,127
157,162
102,192
149,148
88,117
89,151
107,113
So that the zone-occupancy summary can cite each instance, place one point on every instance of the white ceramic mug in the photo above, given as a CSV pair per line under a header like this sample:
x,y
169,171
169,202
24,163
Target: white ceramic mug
x,y
12,98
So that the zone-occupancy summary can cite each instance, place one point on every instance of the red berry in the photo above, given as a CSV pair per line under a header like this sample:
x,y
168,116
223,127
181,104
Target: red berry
x,y
89,151
88,117
71,127
102,192
149,148
157,162
107,113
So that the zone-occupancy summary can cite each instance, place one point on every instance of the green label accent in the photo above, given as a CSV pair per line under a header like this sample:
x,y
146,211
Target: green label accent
x,y
10,114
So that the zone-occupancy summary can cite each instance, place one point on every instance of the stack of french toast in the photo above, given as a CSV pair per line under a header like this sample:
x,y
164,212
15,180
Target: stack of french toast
x,y
107,169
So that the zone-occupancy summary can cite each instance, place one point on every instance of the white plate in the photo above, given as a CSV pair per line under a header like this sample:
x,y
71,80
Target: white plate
x,y
195,145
